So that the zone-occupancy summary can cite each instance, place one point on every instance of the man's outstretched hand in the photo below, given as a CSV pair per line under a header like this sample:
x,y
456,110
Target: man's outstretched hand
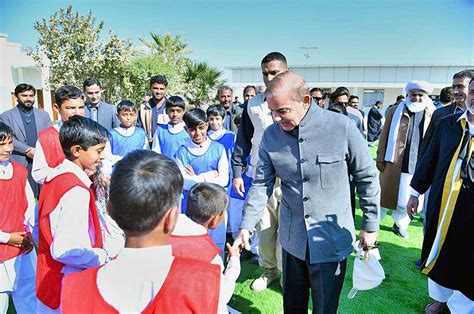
x,y
242,240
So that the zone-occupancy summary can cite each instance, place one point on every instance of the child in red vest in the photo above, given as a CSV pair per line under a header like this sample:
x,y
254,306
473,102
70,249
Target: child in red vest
x,y
48,152
145,193
17,260
206,208
70,238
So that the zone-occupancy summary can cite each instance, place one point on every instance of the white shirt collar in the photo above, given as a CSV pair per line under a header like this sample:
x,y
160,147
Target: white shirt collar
x,y
471,125
176,128
125,131
149,254
6,170
185,226
193,146
69,166
215,135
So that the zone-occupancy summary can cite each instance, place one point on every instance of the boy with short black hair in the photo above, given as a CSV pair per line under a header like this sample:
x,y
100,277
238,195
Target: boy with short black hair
x,y
145,193
70,237
217,132
17,260
69,101
169,137
126,137
202,160
206,206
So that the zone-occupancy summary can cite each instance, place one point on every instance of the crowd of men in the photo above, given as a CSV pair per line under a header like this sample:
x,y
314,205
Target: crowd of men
x,y
297,158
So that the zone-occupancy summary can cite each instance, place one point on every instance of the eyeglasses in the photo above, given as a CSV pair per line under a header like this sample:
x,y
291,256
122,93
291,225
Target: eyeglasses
x,y
317,99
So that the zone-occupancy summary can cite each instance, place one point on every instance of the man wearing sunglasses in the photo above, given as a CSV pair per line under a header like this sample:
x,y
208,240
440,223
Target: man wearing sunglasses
x,y
317,95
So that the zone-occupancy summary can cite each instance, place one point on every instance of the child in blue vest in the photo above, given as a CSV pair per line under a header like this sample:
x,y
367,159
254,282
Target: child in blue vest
x,y
202,160
126,137
217,132
169,137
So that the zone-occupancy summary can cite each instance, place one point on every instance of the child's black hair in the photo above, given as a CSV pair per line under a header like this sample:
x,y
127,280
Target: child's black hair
x,y
6,132
216,110
126,105
204,201
66,92
175,101
81,131
144,186
194,117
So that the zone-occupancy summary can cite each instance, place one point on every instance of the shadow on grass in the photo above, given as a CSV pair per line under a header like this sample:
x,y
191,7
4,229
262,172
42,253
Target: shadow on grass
x,y
243,305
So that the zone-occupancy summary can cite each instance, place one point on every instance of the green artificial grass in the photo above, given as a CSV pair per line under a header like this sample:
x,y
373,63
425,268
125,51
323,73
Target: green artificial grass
x,y
404,290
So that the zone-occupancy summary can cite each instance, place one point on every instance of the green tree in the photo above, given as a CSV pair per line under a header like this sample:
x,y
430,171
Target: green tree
x,y
72,47
201,82
169,47
144,67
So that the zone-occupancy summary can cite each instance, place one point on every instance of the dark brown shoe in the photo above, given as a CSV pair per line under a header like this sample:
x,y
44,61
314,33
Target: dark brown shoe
x,y
437,308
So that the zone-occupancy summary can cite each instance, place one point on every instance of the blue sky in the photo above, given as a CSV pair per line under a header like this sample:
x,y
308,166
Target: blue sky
x,y
240,33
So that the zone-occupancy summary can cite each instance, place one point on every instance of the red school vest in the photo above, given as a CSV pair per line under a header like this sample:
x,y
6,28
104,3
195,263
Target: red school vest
x,y
49,275
53,152
190,287
12,208
196,247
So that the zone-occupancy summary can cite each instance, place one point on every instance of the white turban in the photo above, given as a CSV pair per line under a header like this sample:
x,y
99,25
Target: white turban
x,y
420,85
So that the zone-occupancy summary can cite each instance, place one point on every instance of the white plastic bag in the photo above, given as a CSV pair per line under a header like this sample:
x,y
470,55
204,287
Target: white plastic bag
x,y
368,273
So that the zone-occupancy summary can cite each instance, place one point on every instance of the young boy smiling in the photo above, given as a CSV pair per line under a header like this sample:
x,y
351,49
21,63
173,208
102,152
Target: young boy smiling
x,y
70,238
169,137
69,101
202,160
126,137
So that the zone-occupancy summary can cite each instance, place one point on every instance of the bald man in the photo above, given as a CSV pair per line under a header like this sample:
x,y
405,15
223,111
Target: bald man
x,y
312,151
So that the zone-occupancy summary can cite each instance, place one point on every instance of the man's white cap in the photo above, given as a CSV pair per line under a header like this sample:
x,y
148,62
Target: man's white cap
x,y
368,273
421,85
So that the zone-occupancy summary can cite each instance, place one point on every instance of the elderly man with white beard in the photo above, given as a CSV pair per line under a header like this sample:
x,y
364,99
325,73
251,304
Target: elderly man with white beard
x,y
398,149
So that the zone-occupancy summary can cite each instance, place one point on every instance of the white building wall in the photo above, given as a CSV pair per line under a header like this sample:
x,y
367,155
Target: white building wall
x,y
390,78
16,68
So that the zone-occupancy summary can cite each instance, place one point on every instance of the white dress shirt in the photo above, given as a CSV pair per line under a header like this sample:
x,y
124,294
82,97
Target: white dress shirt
x,y
222,177
186,227
71,226
132,280
40,169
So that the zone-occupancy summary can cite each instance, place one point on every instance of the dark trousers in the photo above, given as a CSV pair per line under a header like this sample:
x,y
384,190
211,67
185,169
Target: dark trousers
x,y
325,281
353,198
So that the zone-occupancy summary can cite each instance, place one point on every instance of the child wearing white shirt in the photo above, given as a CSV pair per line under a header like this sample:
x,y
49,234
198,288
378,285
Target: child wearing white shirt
x,y
17,257
206,209
70,238
146,276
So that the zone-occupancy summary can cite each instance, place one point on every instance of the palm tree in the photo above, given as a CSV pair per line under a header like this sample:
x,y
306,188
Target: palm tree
x,y
170,47
201,82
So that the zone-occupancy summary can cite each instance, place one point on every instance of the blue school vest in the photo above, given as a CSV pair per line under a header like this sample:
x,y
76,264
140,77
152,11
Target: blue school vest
x,y
204,163
122,145
228,141
169,142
